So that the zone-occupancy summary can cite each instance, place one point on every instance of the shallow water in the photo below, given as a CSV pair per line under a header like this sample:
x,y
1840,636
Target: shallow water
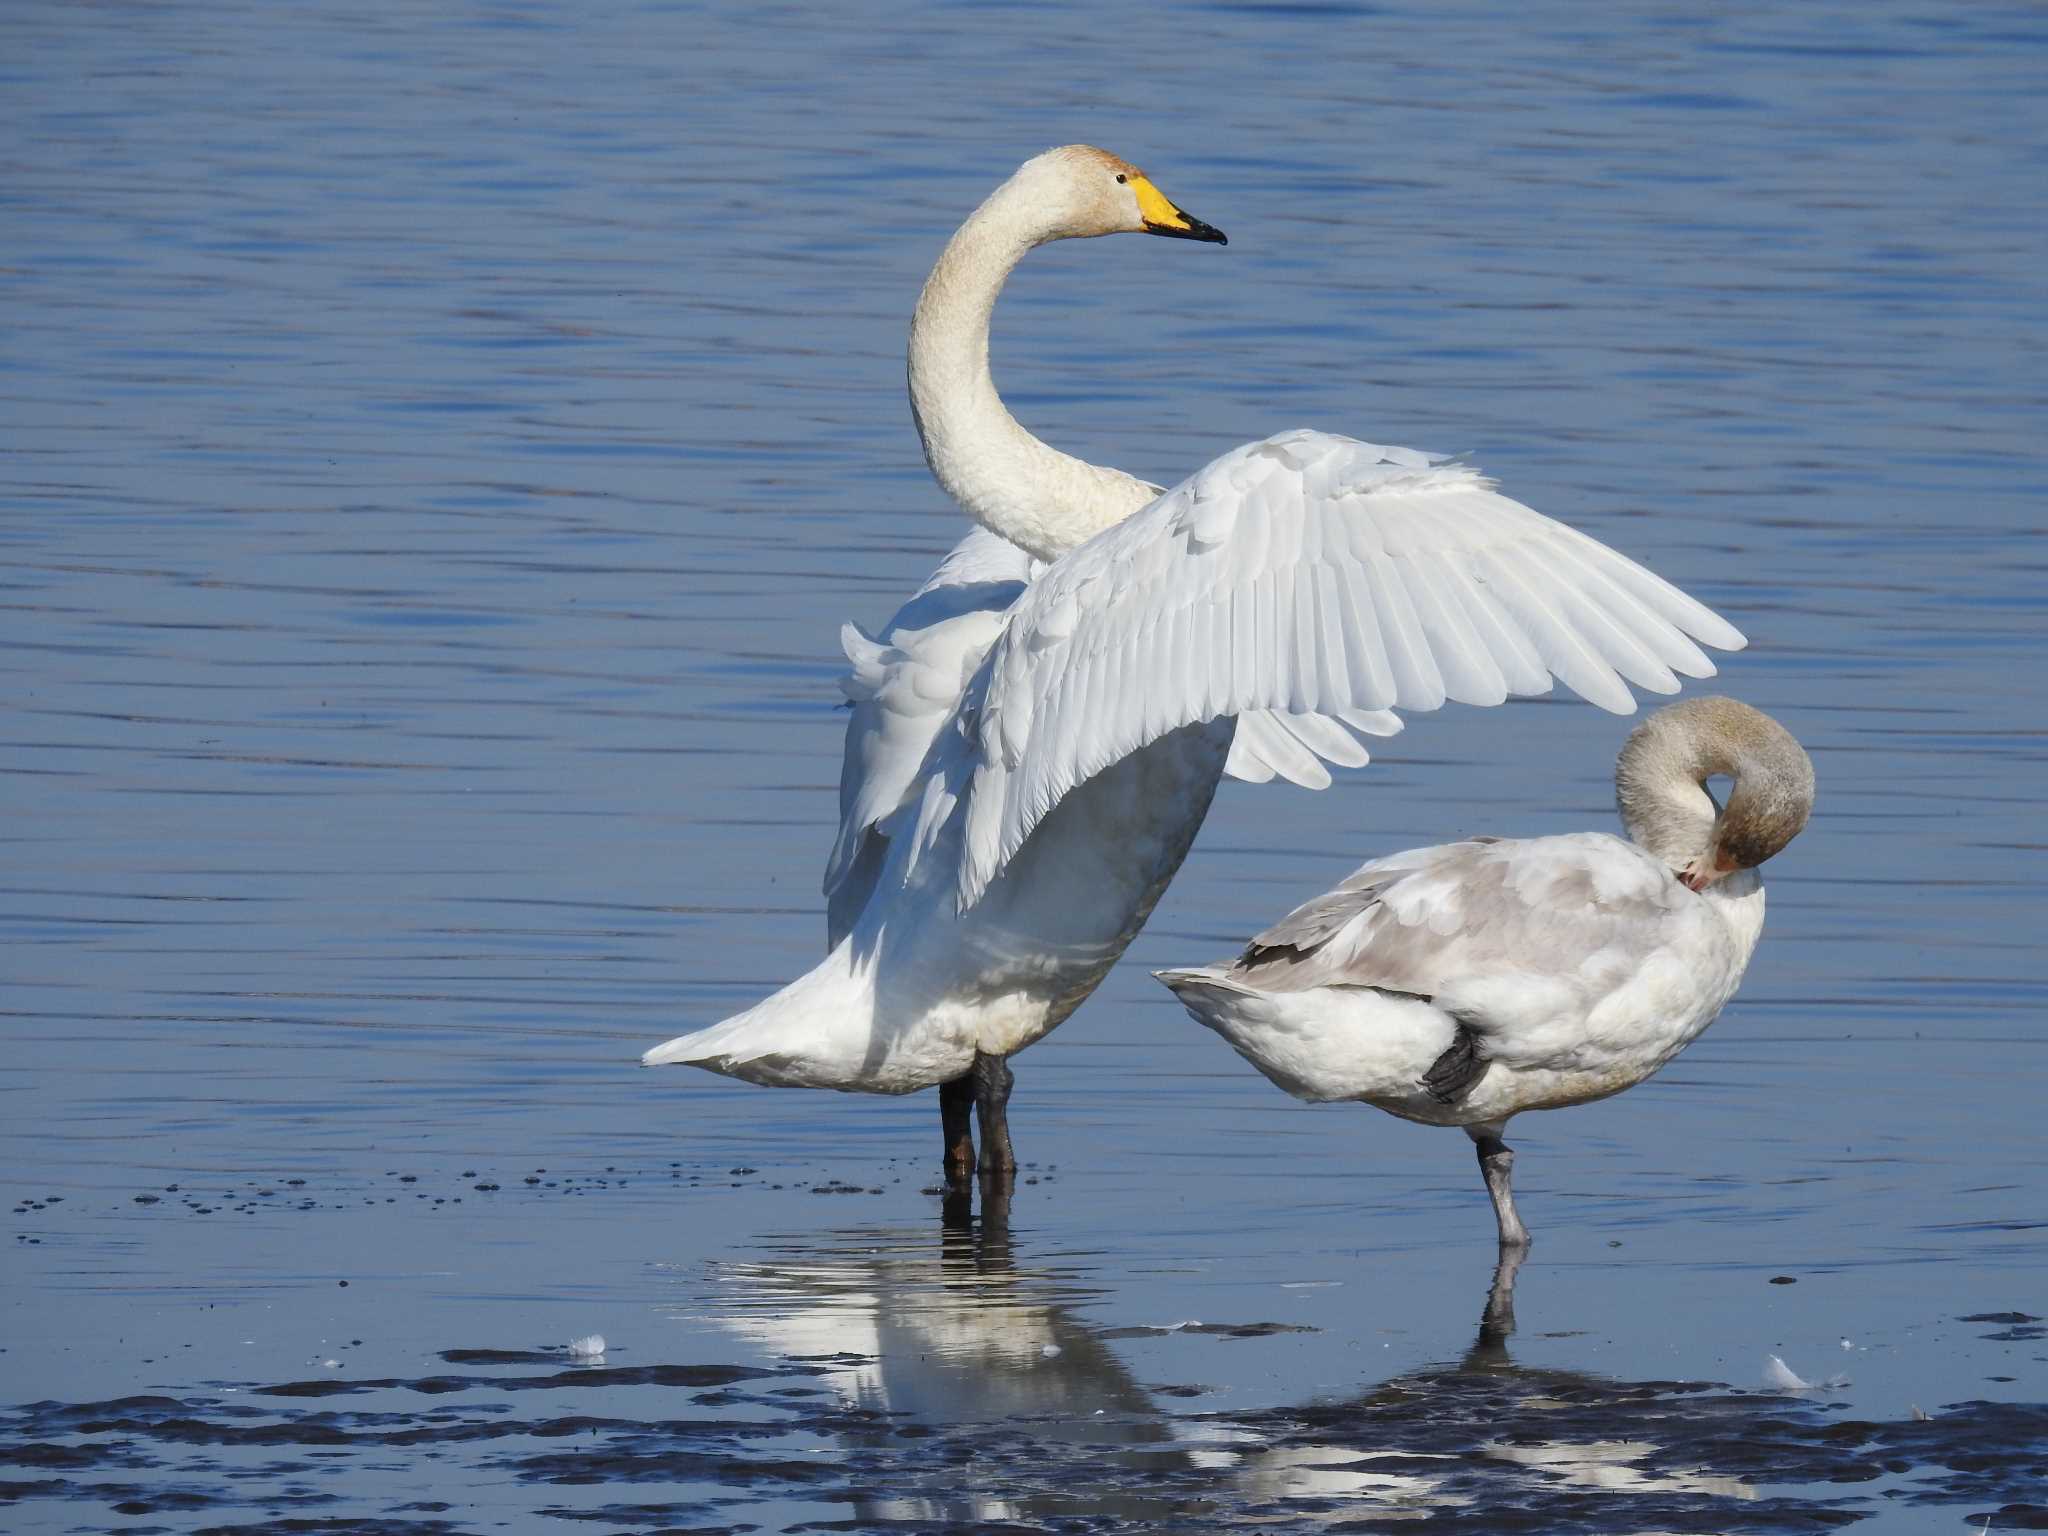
x,y
440,449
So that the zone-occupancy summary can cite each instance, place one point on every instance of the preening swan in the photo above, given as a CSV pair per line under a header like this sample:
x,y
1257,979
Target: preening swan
x,y
1465,983
1038,734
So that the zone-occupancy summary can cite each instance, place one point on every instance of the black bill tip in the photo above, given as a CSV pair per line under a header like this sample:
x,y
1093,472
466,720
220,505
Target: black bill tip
x,y
1196,230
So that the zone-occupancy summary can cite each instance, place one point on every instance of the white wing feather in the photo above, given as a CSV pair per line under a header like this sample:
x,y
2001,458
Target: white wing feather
x,y
1272,743
1315,575
905,685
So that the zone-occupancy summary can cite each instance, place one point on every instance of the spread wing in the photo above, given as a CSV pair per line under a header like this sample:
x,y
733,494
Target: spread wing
x,y
905,685
1272,743
1314,575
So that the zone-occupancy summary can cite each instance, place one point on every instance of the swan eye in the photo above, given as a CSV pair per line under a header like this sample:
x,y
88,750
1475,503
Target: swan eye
x,y
1121,178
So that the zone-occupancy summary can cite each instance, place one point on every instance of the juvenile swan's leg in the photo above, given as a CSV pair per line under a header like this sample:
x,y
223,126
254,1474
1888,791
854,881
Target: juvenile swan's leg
x,y
956,1112
1498,1320
1497,1162
992,1080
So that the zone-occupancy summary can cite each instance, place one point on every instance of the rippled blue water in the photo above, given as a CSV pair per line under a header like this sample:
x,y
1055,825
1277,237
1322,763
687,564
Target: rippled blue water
x,y
440,445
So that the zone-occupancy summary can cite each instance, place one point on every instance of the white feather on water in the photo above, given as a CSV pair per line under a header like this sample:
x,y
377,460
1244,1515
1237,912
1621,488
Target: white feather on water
x,y
1781,1377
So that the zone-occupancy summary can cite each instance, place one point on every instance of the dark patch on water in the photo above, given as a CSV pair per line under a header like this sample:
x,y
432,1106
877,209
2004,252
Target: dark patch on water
x,y
990,1403
2020,1326
579,1377
1214,1330
500,1356
1477,1444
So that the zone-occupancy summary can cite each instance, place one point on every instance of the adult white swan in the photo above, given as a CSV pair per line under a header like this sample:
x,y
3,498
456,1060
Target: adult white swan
x,y
1465,983
1038,750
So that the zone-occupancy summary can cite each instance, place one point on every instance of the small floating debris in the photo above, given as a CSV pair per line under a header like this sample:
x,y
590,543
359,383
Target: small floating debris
x,y
1781,1377
589,1347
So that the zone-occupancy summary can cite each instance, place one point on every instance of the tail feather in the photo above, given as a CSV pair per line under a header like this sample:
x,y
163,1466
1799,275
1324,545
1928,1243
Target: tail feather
x,y
737,1040
1209,994
811,1034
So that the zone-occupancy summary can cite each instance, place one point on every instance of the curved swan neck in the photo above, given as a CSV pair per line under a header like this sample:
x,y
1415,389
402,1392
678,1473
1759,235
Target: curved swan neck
x,y
1660,787
1038,498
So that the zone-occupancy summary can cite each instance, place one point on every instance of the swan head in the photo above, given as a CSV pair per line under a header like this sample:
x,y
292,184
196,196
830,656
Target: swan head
x,y
1078,190
1660,786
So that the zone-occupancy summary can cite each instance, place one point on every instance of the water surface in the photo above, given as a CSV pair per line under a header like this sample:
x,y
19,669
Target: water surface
x,y
440,448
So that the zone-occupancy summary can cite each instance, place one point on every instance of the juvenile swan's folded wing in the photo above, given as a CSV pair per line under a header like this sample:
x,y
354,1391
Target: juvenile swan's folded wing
x,y
1311,574
1527,915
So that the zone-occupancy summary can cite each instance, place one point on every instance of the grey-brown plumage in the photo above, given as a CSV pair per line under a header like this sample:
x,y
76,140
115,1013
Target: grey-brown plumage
x,y
1465,983
1660,786
1415,924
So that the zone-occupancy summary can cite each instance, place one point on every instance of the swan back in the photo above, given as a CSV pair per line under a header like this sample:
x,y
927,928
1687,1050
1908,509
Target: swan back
x,y
1575,914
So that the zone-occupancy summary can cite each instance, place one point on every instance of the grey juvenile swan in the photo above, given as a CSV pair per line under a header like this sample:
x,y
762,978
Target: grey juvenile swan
x,y
1465,983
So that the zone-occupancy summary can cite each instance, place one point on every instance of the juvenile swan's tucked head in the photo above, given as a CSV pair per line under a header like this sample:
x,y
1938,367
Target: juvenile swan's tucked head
x,y
1088,191
1660,787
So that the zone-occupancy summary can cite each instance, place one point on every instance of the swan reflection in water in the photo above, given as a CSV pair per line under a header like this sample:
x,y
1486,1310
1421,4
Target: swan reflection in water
x,y
1461,1433
945,1334
955,1339
971,1389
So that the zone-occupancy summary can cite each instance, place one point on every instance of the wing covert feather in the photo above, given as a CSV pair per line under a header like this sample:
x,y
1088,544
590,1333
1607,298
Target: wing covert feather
x,y
1451,922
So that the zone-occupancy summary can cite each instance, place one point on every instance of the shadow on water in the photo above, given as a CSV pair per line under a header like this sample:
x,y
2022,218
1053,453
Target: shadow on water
x,y
922,1379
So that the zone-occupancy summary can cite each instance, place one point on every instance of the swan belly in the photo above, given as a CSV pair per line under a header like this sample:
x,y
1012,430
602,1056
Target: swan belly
x,y
1063,911
1573,1051
917,989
